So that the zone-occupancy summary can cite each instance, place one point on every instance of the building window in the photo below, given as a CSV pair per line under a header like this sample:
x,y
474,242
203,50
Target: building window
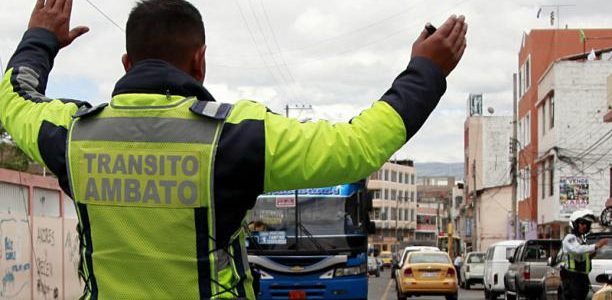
x,y
551,113
386,175
377,194
528,186
386,196
401,179
376,211
543,122
528,129
521,81
522,133
542,171
411,178
551,173
393,195
528,73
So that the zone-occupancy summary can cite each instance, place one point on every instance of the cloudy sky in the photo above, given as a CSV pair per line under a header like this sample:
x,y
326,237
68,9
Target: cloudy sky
x,y
337,56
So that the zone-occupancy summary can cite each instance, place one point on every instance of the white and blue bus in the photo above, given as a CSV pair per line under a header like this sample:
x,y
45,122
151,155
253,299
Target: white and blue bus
x,y
311,243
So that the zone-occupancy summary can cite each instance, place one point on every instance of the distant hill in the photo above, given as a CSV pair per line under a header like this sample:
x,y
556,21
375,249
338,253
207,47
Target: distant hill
x,y
440,169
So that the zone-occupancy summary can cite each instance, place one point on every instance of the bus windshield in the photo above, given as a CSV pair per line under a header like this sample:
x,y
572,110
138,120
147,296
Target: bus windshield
x,y
325,223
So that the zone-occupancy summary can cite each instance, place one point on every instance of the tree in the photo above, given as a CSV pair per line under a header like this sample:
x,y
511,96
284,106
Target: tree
x,y
11,157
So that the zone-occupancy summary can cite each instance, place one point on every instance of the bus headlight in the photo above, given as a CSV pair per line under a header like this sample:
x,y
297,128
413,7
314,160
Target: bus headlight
x,y
351,271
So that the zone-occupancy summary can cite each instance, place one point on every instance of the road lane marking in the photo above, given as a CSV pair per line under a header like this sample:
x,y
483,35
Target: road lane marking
x,y
384,296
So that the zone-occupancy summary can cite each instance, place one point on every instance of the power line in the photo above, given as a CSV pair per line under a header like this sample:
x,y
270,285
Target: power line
x,y
276,41
349,49
282,87
105,15
286,79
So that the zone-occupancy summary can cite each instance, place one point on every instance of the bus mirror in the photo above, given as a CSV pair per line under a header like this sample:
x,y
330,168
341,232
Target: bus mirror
x,y
371,227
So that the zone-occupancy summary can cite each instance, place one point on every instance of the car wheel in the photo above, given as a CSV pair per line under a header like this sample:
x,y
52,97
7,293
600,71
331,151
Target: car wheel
x,y
467,285
492,295
452,297
508,296
560,295
400,296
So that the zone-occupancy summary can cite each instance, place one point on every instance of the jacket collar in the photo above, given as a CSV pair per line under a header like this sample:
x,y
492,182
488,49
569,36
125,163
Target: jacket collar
x,y
154,76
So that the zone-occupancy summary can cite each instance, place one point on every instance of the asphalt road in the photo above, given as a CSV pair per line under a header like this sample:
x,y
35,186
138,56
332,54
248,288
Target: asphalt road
x,y
383,288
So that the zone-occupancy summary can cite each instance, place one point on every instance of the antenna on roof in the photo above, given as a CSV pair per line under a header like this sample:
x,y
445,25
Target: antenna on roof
x,y
552,13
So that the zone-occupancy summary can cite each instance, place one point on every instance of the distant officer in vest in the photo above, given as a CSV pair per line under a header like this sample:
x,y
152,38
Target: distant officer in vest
x,y
163,176
577,265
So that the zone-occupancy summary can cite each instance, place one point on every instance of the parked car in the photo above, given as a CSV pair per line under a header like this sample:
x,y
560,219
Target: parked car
x,y
602,261
427,273
374,266
404,254
605,280
496,265
528,266
472,269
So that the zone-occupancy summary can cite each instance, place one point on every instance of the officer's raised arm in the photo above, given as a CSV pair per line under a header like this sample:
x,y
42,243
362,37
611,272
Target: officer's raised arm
x,y
322,154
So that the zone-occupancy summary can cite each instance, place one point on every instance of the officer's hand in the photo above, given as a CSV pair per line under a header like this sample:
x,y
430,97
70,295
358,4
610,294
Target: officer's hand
x,y
54,15
601,243
446,46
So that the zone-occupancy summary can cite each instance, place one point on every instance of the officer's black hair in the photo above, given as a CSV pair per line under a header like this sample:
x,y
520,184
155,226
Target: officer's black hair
x,y
169,30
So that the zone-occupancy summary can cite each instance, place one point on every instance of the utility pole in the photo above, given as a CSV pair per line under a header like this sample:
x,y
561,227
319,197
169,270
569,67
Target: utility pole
x,y
396,219
476,214
296,107
513,159
438,217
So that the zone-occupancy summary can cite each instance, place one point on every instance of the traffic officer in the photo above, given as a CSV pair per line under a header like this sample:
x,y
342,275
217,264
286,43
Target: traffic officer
x,y
163,175
577,264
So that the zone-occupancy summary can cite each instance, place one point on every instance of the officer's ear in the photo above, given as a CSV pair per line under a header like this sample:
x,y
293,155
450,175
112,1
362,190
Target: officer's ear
x,y
198,64
127,64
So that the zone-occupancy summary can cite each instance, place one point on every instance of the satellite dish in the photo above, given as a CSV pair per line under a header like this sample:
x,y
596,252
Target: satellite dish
x,y
491,110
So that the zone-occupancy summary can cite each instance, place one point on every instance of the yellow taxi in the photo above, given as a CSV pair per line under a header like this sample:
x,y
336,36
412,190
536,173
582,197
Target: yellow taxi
x,y
427,273
387,258
605,293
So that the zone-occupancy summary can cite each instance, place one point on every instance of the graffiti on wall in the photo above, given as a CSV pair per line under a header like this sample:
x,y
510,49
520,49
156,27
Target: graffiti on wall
x,y
47,258
14,257
73,285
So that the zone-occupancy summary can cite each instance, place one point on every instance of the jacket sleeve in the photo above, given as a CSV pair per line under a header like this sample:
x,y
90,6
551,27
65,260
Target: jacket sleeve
x,y
36,123
311,154
571,245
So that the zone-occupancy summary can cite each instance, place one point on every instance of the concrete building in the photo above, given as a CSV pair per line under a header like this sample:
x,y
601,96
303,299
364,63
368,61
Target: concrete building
x,y
488,190
608,116
575,144
394,203
434,207
456,212
539,49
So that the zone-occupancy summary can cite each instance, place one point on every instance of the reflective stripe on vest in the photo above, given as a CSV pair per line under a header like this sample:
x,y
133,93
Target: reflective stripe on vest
x,y
579,263
142,181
